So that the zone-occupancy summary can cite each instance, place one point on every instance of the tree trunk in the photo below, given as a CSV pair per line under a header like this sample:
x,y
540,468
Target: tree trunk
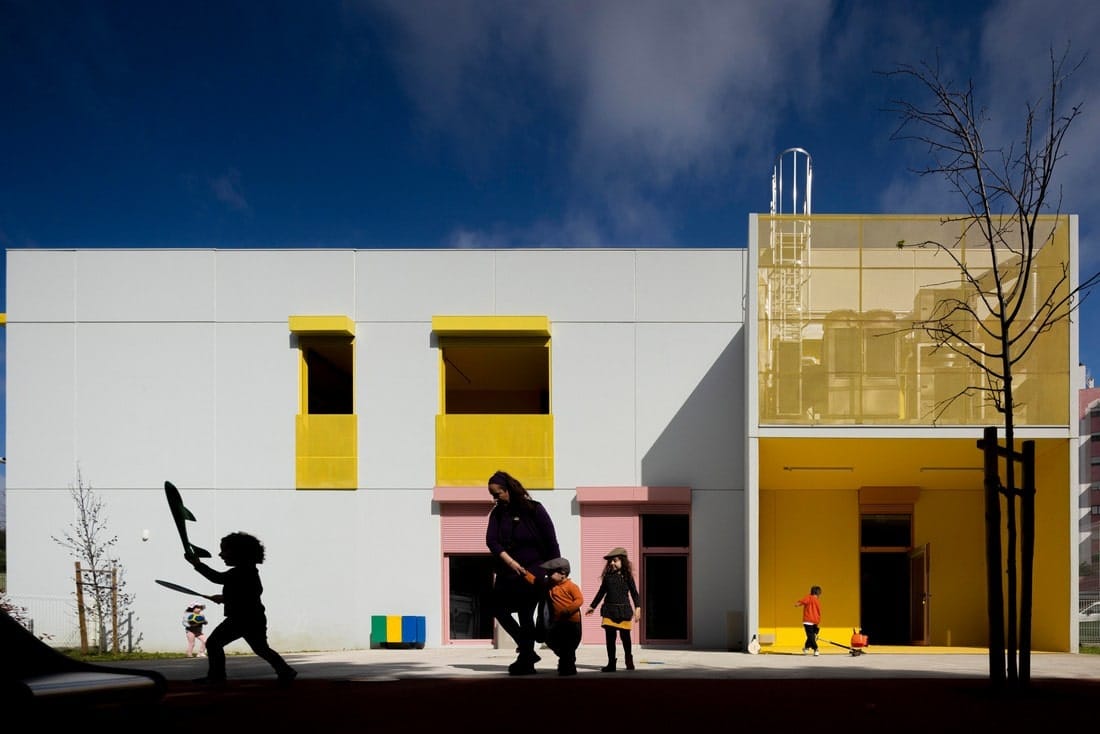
x,y
994,589
1027,522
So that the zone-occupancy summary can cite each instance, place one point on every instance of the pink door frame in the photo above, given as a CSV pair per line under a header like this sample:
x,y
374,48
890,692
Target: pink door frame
x,y
610,517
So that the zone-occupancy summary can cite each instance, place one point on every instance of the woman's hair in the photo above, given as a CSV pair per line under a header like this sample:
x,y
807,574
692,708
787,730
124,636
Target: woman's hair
x,y
517,494
627,569
244,548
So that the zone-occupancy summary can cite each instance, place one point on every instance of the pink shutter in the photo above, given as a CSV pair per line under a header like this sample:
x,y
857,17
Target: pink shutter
x,y
463,527
603,527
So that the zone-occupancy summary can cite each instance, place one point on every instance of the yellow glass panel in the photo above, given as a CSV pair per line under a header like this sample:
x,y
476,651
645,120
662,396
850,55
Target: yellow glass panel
x,y
326,451
470,447
839,306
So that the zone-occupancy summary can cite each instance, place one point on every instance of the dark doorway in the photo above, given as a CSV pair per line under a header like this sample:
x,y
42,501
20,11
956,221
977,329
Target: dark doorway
x,y
471,581
665,578
884,596
664,608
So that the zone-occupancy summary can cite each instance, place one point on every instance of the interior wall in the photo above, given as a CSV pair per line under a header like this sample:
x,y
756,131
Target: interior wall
x,y
809,538
952,523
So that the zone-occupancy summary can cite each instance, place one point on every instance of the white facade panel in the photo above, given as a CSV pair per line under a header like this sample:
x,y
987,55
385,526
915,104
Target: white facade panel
x,y
566,285
43,583
40,403
691,285
397,399
159,611
145,285
593,401
567,525
690,425
399,566
145,403
256,402
416,285
194,379
717,568
313,561
41,285
273,285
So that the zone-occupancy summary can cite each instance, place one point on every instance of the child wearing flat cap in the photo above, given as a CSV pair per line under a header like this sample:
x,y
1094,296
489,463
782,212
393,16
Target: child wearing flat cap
x,y
618,590
563,633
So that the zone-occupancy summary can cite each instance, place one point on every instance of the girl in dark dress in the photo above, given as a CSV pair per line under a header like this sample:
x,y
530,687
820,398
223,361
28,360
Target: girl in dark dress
x,y
617,590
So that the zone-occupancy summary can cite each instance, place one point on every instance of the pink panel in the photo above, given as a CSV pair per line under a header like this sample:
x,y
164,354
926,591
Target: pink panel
x,y
603,528
463,527
464,515
462,530
462,494
633,495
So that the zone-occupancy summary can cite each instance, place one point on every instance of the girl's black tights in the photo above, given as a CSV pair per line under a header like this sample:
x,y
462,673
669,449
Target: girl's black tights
x,y
609,635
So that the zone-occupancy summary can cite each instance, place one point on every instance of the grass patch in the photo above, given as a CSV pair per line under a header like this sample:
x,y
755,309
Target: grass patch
x,y
121,657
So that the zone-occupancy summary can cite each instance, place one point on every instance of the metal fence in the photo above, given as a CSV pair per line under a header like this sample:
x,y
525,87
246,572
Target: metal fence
x,y
1089,624
55,621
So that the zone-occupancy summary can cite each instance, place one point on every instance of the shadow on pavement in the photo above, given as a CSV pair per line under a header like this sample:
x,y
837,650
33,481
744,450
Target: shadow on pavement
x,y
546,703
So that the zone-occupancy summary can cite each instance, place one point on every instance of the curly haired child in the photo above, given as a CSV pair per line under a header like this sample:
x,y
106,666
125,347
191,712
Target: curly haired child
x,y
617,584
245,615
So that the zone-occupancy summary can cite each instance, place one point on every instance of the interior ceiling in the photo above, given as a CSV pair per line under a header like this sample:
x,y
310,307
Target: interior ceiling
x,y
850,463
516,368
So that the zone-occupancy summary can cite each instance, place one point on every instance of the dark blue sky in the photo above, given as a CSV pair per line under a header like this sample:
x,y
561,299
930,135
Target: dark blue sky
x,y
462,123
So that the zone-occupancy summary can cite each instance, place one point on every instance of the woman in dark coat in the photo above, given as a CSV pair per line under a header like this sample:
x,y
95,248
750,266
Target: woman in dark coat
x,y
521,536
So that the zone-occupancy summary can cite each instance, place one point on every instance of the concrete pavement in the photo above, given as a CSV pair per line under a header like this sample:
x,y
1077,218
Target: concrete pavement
x,y
481,662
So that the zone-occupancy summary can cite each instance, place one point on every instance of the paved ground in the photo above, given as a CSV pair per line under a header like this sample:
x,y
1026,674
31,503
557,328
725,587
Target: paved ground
x,y
468,689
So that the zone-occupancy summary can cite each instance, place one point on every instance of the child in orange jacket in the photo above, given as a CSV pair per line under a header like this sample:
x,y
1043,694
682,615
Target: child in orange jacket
x,y
563,612
811,618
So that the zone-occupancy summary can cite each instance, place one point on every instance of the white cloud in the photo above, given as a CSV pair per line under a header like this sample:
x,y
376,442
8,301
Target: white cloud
x,y
649,97
227,189
1017,41
1012,69
649,94
576,230
645,83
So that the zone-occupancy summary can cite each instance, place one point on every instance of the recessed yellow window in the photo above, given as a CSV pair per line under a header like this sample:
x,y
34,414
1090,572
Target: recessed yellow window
x,y
326,427
495,401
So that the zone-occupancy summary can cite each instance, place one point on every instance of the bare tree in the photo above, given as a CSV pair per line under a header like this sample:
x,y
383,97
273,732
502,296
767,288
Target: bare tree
x,y
89,541
1012,211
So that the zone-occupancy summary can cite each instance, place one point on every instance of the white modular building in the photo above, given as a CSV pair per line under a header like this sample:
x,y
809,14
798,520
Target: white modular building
x,y
348,406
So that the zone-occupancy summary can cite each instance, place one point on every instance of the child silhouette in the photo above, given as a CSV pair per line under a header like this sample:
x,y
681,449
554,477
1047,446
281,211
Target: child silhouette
x,y
245,615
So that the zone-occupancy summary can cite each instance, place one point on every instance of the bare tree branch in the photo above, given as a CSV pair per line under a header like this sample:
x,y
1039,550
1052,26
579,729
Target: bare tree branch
x,y
1013,211
89,541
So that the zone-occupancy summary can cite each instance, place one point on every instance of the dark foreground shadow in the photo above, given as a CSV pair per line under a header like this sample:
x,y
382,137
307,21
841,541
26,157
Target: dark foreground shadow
x,y
37,679
538,703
